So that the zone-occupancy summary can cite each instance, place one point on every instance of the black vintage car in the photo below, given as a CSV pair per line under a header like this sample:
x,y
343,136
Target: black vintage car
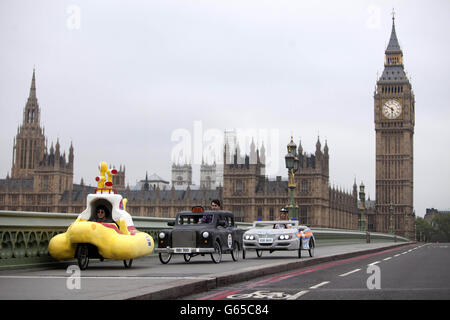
x,y
200,232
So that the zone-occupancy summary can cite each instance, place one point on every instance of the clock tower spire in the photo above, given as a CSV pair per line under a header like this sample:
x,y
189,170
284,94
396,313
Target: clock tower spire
x,y
394,115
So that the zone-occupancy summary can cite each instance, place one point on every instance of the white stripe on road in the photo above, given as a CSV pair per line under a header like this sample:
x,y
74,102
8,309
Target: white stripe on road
x,y
346,274
388,258
297,295
371,264
300,293
319,285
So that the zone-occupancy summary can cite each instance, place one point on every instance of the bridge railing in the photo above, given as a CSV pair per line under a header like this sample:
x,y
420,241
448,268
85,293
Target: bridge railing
x,y
24,236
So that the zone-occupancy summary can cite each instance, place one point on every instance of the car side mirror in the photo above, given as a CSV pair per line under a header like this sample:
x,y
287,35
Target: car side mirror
x,y
171,223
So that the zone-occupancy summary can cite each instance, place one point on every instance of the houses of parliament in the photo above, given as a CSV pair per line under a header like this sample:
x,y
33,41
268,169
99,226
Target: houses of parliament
x,y
41,178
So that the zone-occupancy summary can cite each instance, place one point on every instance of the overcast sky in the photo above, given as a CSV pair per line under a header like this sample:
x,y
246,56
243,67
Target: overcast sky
x,y
122,80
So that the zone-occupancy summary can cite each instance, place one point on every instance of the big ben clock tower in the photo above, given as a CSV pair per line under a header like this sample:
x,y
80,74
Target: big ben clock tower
x,y
394,127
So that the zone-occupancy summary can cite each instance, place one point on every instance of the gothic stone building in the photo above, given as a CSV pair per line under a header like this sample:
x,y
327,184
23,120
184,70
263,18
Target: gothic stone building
x,y
38,176
251,195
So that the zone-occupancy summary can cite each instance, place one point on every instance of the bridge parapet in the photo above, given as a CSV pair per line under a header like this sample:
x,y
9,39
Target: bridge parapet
x,y
24,236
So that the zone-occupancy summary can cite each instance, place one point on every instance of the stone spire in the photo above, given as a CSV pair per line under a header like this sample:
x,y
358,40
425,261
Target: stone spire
x,y
393,45
31,111
29,145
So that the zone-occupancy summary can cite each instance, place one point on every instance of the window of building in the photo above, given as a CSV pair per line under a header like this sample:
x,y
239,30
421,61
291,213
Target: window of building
x,y
239,214
271,214
45,183
305,186
304,215
260,214
239,185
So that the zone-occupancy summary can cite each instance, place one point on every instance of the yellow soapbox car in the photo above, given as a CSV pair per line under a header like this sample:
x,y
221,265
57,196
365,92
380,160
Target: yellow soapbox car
x,y
112,237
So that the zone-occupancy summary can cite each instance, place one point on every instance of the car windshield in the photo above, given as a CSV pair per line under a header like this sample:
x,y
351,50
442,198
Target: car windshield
x,y
264,225
190,219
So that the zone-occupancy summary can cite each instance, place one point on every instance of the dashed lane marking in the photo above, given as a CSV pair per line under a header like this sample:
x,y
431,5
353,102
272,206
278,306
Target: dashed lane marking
x,y
348,273
319,285
297,295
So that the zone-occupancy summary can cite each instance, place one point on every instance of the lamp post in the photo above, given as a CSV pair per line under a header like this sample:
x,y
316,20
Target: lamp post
x,y
292,166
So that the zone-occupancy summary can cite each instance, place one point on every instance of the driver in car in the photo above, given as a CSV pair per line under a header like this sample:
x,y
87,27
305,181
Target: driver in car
x,y
283,216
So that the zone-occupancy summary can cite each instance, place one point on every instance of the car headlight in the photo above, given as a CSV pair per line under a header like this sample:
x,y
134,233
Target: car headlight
x,y
205,234
284,237
162,235
249,237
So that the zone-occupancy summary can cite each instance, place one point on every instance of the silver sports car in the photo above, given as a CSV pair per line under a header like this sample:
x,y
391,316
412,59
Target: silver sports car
x,y
279,235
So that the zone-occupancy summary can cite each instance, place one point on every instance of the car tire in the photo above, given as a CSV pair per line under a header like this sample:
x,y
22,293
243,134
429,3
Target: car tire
x,y
164,257
235,252
128,263
311,248
217,255
83,256
259,253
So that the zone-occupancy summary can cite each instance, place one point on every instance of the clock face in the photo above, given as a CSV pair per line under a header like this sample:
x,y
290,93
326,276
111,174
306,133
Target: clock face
x,y
392,109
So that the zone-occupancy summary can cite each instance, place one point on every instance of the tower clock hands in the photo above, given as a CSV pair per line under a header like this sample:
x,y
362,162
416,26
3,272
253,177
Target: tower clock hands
x,y
392,110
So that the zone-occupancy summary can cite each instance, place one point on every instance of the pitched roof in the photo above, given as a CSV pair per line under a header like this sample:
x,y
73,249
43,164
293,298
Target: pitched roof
x,y
393,45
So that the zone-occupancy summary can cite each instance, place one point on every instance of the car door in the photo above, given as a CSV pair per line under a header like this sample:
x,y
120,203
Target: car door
x,y
225,232
236,232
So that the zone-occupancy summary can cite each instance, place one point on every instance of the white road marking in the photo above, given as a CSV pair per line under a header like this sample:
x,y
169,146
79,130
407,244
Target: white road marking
x,y
319,285
373,263
297,295
346,274
397,255
388,258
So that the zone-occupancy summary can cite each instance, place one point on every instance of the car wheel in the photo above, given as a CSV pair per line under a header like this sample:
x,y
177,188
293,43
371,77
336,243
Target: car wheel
x,y
164,257
235,252
217,255
243,253
187,257
259,253
311,248
83,256
128,263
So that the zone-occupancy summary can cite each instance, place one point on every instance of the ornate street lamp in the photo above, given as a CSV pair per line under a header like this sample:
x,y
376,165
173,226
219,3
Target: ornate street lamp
x,y
292,164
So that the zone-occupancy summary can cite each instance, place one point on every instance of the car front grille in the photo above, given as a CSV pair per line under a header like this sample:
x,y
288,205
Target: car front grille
x,y
184,239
